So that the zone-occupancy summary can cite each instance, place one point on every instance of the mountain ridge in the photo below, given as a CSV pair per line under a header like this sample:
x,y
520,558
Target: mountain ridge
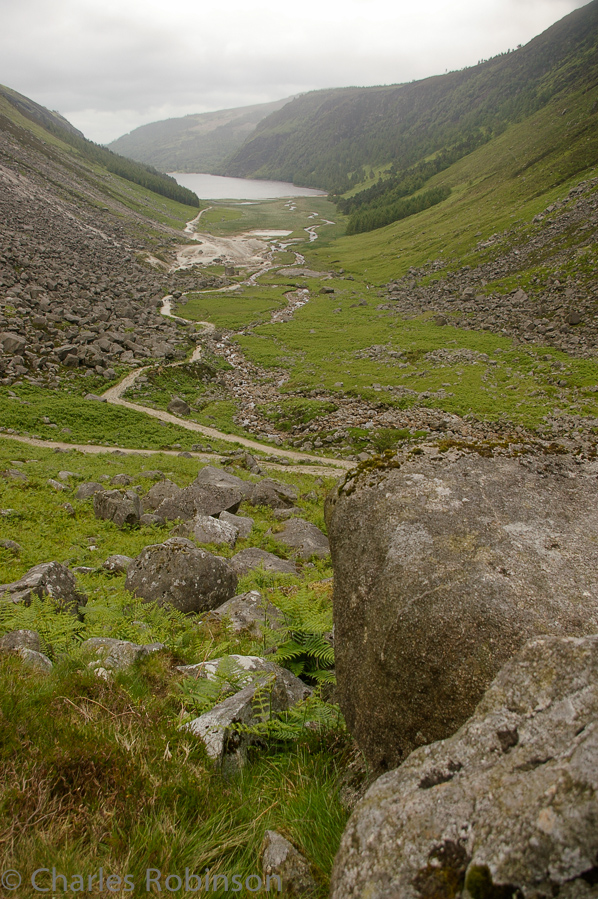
x,y
200,142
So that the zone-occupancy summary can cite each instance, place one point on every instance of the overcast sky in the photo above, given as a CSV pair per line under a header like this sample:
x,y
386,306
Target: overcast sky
x,y
111,65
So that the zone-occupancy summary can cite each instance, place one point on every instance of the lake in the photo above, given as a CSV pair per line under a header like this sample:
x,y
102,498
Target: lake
x,y
216,187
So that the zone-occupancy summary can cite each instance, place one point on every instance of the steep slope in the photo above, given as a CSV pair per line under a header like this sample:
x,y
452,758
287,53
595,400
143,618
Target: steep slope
x,y
194,143
76,298
324,139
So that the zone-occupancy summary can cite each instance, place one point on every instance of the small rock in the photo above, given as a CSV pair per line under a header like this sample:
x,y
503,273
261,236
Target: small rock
x,y
47,579
56,485
124,509
205,529
177,406
280,859
115,655
85,491
242,524
249,613
249,559
11,546
304,538
117,564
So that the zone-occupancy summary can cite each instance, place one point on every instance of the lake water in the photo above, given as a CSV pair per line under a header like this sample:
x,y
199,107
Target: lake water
x,y
215,187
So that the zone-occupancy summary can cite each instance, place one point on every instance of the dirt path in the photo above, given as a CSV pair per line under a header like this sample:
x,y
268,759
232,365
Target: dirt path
x,y
95,450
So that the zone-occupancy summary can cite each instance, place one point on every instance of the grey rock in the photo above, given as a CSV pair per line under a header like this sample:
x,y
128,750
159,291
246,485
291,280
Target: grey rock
x,y
177,573
272,493
11,545
152,474
68,509
67,475
243,525
121,480
95,398
47,579
164,489
124,509
85,491
303,537
442,572
281,860
199,499
249,613
241,671
215,477
249,559
115,655
117,564
506,807
13,474
12,344
148,519
271,690
177,406
22,639
35,659
56,485
205,529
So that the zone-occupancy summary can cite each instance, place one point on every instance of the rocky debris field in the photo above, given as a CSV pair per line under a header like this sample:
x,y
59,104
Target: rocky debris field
x,y
556,309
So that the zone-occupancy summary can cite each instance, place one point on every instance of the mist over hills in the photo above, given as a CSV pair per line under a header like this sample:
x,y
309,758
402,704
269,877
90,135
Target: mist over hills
x,y
194,143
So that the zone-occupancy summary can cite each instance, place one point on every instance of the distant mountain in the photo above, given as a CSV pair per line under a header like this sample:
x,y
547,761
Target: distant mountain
x,y
194,143
333,139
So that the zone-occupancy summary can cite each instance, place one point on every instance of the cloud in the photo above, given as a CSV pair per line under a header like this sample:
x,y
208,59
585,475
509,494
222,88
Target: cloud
x,y
112,65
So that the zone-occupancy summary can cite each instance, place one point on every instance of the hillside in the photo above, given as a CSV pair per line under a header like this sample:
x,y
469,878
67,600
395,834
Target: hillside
x,y
333,139
194,143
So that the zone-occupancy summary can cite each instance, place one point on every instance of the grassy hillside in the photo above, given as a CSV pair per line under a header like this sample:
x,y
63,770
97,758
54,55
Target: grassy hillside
x,y
194,143
69,137
332,139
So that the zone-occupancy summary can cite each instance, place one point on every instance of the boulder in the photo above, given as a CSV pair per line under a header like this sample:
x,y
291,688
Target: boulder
x,y
47,579
164,489
215,477
303,537
273,494
242,524
111,654
248,613
205,529
121,508
85,491
177,406
117,564
281,860
177,573
507,807
443,570
249,559
198,499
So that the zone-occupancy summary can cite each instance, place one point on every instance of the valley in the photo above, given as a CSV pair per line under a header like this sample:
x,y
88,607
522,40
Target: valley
x,y
300,491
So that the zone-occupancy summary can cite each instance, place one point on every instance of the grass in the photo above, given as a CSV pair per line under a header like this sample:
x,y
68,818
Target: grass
x,y
97,774
384,358
294,215
73,419
236,309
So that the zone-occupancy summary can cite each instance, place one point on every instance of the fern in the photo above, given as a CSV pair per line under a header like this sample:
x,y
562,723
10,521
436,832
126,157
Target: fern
x,y
303,645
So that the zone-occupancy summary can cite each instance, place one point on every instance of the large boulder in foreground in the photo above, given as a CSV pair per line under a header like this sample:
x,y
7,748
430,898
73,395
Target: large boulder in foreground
x,y
46,579
507,807
179,574
443,570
